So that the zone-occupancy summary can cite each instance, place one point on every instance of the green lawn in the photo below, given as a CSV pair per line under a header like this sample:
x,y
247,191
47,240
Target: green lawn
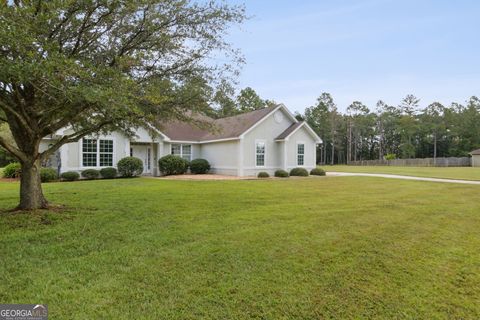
x,y
467,173
313,248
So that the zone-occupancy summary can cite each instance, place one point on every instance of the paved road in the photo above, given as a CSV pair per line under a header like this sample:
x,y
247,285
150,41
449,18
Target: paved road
x,y
394,176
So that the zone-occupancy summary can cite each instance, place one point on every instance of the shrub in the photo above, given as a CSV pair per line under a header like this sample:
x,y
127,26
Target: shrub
x,y
170,165
390,156
130,167
90,174
70,176
48,174
12,170
108,173
199,166
281,174
299,172
317,172
263,174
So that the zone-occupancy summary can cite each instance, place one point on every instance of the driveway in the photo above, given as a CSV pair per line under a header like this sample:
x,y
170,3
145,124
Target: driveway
x,y
394,176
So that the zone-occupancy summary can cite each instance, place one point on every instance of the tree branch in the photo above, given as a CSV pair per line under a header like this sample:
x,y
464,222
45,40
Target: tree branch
x,y
14,151
7,109
72,138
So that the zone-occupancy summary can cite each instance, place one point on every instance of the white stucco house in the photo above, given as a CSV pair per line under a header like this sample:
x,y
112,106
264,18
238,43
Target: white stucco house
x,y
264,140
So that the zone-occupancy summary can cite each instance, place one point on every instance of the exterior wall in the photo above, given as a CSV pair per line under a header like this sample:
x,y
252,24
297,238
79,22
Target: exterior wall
x,y
144,136
71,153
223,156
268,130
475,160
167,149
301,136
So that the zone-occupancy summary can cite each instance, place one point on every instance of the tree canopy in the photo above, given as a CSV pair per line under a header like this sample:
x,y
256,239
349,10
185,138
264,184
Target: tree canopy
x,y
403,131
98,65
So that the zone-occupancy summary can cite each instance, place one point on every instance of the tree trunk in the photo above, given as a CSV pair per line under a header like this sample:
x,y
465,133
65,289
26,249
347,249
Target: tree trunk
x,y
435,149
333,153
324,153
31,194
349,153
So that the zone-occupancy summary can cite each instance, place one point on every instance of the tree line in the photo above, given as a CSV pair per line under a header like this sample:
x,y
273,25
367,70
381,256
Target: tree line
x,y
394,131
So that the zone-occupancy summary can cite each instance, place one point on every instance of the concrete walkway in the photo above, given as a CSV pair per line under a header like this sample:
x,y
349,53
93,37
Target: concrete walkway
x,y
394,176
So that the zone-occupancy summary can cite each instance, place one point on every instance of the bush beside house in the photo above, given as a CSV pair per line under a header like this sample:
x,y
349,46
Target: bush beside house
x,y
70,176
199,166
172,165
317,172
108,173
90,174
130,167
48,174
281,174
263,174
12,170
299,172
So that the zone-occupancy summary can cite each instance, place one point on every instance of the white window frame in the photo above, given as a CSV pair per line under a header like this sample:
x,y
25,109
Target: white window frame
x,y
97,162
298,154
264,153
181,149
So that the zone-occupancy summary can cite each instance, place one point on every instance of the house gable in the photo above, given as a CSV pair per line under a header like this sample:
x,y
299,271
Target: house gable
x,y
266,131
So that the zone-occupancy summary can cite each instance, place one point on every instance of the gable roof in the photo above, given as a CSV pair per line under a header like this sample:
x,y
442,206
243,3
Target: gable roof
x,y
475,152
222,129
289,131
294,127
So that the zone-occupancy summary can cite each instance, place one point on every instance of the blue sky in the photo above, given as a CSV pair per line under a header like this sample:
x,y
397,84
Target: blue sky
x,y
360,50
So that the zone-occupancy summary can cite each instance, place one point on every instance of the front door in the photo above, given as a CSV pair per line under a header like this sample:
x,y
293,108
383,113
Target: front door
x,y
144,153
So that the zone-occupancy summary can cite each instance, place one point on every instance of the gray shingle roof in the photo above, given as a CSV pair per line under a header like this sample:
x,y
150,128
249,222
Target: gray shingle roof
x,y
289,130
224,128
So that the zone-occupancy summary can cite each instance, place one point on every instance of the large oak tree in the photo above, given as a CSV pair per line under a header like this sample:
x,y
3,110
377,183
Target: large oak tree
x,y
100,65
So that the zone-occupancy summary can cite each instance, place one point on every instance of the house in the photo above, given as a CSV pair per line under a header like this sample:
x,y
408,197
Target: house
x,y
244,145
475,158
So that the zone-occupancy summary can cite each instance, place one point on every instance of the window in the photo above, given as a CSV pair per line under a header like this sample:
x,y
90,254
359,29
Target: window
x,y
187,151
89,151
106,153
260,153
182,150
300,154
97,153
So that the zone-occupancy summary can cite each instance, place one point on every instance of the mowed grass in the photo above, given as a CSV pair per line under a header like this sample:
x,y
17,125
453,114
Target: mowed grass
x,y
466,173
313,248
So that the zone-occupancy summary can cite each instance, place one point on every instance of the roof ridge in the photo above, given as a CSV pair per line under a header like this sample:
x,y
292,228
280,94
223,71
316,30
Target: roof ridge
x,y
249,112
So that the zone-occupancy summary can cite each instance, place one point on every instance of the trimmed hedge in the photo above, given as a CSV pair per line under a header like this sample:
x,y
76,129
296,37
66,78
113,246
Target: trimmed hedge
x,y
48,174
281,174
317,172
12,170
90,174
199,166
129,167
263,174
172,165
108,173
70,176
299,172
